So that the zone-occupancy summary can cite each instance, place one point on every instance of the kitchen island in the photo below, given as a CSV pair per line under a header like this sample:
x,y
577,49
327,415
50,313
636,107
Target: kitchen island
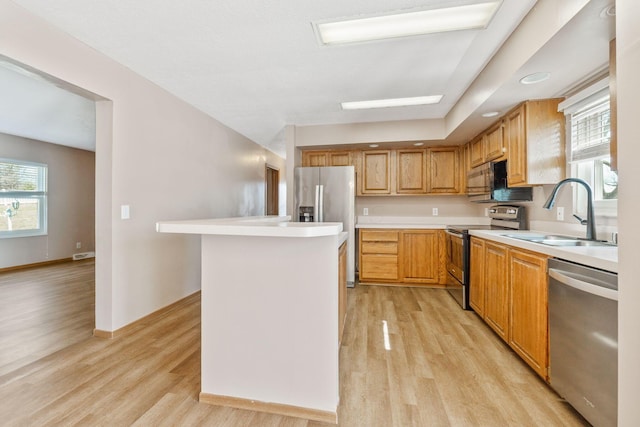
x,y
270,303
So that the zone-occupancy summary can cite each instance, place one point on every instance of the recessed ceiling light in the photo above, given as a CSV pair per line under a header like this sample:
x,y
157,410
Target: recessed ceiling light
x,y
608,11
466,17
490,114
374,145
418,144
535,78
394,102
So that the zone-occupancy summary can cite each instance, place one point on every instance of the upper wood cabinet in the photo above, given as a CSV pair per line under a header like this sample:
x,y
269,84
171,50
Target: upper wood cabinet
x,y
326,158
534,134
476,151
339,158
314,158
494,143
376,172
488,146
444,170
411,171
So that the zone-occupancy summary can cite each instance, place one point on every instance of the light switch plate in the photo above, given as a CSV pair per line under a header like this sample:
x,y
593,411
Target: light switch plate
x,y
560,213
124,212
365,211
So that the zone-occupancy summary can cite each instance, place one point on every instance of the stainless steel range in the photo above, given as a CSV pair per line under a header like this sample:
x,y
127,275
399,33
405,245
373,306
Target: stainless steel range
x,y
503,217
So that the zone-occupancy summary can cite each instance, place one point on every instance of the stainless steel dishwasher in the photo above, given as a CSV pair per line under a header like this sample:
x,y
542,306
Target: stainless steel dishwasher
x,y
583,334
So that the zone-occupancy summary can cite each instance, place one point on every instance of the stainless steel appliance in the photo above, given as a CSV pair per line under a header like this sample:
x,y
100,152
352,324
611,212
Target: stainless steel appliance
x,y
327,194
457,239
583,339
487,183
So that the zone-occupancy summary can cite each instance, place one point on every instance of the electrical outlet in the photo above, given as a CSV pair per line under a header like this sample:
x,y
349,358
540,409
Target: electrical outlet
x,y
434,211
365,211
78,245
560,213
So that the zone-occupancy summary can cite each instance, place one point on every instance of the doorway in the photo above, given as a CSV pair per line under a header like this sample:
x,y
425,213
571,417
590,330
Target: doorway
x,y
272,185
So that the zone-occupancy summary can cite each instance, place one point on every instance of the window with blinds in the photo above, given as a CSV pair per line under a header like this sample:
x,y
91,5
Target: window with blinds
x,y
23,198
589,123
591,130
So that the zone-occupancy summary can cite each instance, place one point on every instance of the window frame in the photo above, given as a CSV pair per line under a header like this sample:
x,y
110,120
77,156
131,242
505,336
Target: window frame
x,y
571,106
40,194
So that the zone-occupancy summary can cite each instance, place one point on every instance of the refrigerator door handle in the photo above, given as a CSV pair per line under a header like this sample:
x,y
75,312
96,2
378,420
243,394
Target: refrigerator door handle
x,y
321,204
316,205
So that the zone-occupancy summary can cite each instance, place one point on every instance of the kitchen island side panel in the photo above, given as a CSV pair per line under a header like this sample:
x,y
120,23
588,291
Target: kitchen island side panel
x,y
270,319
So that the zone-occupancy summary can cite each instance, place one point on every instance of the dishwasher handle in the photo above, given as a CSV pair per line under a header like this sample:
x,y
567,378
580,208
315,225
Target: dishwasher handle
x,y
570,280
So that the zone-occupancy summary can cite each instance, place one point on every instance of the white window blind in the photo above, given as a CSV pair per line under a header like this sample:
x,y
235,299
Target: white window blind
x,y
591,130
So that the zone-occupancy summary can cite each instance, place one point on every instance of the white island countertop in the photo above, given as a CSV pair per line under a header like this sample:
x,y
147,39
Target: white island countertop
x,y
269,226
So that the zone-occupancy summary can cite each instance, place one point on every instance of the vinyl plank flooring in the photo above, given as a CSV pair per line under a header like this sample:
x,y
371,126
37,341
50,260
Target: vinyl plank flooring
x,y
433,365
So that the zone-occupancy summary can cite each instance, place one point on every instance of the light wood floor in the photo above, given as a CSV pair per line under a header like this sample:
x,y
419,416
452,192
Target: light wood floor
x,y
444,367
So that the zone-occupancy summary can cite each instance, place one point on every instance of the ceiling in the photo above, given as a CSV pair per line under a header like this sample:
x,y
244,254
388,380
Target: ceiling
x,y
257,66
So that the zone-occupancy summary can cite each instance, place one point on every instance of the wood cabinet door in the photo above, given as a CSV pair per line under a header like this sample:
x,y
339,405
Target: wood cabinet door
x,y
476,279
496,311
476,151
516,147
419,256
528,324
339,158
411,175
443,175
494,143
314,158
376,171
342,289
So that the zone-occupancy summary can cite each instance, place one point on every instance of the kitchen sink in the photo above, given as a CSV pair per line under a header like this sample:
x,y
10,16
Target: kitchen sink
x,y
558,240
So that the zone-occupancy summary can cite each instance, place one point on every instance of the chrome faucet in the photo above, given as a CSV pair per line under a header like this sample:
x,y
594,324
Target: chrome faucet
x,y
590,222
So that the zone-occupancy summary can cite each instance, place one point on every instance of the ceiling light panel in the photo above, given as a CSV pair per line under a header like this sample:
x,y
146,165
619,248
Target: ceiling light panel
x,y
393,102
472,16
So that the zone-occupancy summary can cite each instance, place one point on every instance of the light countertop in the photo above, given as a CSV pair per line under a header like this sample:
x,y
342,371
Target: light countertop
x,y
268,226
602,257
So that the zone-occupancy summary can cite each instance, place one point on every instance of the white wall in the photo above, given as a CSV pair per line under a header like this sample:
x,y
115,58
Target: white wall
x,y
419,206
162,157
71,196
628,70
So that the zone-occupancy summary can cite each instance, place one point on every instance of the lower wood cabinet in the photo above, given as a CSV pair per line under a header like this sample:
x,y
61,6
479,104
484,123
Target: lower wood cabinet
x,y
378,255
528,328
508,289
476,276
342,289
401,256
496,308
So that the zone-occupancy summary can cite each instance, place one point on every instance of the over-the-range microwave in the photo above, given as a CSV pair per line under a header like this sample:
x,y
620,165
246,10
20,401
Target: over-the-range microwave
x,y
487,183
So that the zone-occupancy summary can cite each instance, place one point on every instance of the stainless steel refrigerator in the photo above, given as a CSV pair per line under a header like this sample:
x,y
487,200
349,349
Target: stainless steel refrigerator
x,y
327,194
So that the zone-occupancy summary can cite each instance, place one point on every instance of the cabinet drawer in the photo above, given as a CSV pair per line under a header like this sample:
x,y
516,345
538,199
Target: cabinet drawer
x,y
381,267
379,248
378,236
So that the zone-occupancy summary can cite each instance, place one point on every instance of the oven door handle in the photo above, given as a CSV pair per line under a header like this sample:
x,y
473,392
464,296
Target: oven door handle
x,y
454,234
